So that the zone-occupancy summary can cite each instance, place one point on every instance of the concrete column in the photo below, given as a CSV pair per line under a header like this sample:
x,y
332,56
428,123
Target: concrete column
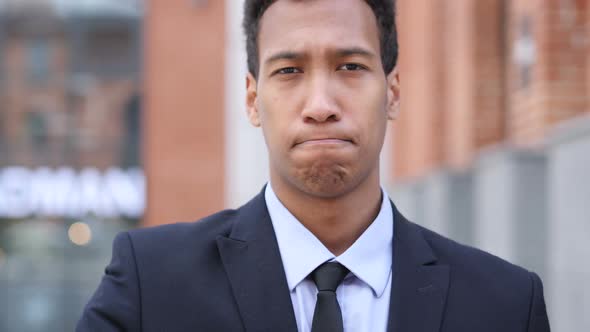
x,y
448,205
246,168
510,206
441,202
409,199
569,226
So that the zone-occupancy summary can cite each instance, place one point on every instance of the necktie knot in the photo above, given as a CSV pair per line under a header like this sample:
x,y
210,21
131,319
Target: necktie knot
x,y
328,276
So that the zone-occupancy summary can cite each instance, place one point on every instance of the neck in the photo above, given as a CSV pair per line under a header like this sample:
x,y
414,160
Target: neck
x,y
337,222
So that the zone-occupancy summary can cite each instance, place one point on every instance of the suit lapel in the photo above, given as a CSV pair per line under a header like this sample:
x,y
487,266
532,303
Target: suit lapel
x,y
252,261
419,287
255,271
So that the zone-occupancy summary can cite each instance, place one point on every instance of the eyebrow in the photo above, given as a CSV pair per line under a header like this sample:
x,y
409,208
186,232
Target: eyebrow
x,y
344,52
284,55
341,52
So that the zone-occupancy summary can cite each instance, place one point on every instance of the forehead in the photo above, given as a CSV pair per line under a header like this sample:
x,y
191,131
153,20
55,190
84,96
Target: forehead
x,y
302,25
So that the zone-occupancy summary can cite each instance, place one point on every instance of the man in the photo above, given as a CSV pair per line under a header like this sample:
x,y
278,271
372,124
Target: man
x,y
321,248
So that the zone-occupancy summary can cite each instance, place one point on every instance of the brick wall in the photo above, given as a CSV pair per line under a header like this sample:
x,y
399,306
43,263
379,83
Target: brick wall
x,y
489,65
184,133
419,123
82,130
453,83
481,73
556,90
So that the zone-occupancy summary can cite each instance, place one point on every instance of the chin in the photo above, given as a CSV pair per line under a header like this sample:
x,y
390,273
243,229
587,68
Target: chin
x,y
327,181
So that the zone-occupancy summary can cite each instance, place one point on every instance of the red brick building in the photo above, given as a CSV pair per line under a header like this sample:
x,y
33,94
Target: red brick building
x,y
68,85
475,74
69,151
490,147
482,73
184,123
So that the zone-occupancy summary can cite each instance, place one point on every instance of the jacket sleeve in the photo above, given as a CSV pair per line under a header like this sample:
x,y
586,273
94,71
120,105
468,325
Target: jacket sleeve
x,y
115,305
538,320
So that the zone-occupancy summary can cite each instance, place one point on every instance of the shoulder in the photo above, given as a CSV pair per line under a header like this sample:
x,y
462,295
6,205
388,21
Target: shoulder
x,y
207,228
480,282
180,242
479,278
469,259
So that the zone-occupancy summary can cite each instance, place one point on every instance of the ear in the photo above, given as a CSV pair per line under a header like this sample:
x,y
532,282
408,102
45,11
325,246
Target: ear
x,y
393,94
251,98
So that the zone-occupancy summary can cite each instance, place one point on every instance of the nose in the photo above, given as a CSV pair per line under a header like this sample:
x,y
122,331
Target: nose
x,y
321,105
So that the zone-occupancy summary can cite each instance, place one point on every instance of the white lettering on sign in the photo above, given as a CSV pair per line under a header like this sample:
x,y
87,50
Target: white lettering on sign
x,y
65,192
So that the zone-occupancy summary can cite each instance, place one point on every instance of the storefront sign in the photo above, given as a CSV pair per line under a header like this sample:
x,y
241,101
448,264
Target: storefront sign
x,y
67,193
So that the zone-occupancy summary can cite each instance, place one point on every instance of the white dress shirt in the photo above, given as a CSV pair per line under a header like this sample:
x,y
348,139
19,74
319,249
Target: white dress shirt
x,y
364,294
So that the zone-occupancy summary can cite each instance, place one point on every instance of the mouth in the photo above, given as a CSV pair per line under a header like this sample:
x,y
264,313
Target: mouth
x,y
328,141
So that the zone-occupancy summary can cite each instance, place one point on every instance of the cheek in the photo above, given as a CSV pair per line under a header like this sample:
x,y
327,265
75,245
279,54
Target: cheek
x,y
274,123
271,106
374,114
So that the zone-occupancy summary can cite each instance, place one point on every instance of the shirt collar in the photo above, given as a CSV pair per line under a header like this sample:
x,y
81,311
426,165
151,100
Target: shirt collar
x,y
369,258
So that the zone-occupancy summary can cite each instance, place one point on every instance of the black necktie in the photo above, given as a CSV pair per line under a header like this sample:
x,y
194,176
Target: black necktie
x,y
327,316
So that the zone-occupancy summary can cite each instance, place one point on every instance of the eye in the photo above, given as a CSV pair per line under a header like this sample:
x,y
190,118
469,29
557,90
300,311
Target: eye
x,y
351,67
287,71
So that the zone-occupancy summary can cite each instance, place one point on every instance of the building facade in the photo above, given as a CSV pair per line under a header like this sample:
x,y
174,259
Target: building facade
x,y
490,148
70,168
492,144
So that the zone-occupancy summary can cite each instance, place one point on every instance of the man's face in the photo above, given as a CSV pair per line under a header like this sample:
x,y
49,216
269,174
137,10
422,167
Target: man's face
x,y
321,97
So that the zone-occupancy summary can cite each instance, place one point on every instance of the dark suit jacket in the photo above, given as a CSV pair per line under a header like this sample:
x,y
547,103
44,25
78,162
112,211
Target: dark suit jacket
x,y
224,273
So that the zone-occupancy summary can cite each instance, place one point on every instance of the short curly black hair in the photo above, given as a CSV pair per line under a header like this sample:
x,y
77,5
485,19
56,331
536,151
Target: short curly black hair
x,y
384,11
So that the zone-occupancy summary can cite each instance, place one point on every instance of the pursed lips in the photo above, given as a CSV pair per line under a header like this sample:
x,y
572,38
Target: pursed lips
x,y
324,141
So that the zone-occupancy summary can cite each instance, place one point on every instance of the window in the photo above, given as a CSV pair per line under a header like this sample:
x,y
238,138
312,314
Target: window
x,y
525,52
37,129
38,60
2,58
132,148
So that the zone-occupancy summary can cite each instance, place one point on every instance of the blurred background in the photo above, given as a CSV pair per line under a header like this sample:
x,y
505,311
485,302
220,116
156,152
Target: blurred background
x,y
116,114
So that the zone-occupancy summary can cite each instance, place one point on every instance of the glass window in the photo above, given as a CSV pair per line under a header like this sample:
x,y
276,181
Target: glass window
x,y
38,131
2,54
38,59
72,178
